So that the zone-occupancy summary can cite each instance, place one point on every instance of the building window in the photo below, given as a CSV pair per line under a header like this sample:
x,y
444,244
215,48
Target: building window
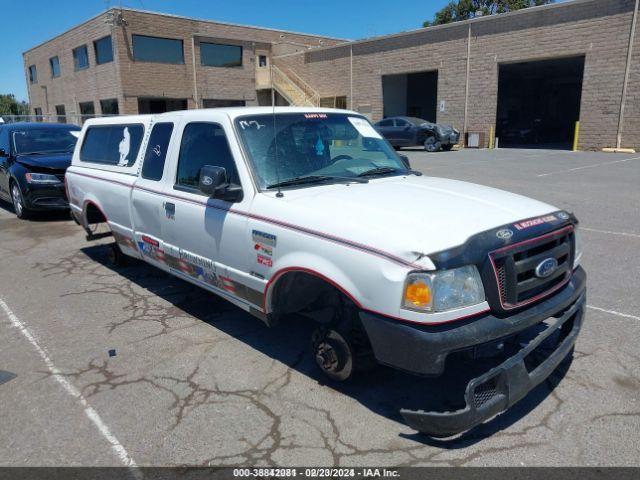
x,y
218,55
109,107
38,112
54,62
103,49
33,74
334,102
156,49
262,60
327,102
217,103
61,114
156,153
203,144
87,110
80,58
102,144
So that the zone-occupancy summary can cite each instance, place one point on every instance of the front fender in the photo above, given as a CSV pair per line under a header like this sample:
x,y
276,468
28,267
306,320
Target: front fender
x,y
317,266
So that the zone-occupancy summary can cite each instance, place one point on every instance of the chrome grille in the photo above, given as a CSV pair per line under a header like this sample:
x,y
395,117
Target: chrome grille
x,y
515,267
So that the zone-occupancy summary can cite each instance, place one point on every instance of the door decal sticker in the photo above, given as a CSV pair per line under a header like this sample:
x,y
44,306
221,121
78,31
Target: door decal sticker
x,y
199,268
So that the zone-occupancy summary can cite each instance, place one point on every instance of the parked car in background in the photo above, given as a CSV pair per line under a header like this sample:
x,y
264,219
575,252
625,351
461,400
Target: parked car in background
x,y
33,160
412,132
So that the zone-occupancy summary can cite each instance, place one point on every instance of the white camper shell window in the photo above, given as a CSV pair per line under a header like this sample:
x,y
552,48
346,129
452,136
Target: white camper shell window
x,y
116,145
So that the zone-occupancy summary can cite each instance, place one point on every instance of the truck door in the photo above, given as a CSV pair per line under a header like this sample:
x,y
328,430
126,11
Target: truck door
x,y
204,238
148,205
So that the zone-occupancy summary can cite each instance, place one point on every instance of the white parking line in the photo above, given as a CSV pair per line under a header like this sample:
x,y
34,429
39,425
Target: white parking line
x,y
609,232
116,446
588,166
613,312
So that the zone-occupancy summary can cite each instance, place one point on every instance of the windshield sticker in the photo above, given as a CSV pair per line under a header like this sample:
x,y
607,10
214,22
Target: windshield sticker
x,y
264,238
251,124
124,147
315,115
364,128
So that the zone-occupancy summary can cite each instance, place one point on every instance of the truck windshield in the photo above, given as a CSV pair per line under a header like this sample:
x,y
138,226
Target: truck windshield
x,y
42,140
315,146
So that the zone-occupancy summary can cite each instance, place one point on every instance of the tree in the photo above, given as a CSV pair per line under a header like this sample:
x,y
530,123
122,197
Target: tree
x,y
459,10
10,106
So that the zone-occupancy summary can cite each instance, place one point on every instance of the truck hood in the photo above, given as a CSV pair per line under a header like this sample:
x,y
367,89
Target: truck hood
x,y
58,161
408,217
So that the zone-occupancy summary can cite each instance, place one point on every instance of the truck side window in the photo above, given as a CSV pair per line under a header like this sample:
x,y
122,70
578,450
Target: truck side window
x,y
202,144
156,153
112,144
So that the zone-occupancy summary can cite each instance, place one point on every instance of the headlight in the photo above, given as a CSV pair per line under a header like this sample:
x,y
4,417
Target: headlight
x,y
577,236
443,290
41,178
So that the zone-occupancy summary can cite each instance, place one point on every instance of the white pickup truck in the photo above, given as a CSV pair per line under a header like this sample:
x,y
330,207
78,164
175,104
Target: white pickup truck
x,y
310,212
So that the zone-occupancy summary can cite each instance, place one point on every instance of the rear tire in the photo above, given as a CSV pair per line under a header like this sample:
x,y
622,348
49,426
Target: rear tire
x,y
18,202
116,257
431,144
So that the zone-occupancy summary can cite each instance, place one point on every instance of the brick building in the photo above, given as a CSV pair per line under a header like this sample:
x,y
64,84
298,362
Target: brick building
x,y
526,76
128,61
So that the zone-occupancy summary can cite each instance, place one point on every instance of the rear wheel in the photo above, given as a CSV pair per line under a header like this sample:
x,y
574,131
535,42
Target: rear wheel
x,y
431,144
115,256
18,202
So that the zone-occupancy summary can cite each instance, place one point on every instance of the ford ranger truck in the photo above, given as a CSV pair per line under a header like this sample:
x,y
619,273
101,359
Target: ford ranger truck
x,y
311,214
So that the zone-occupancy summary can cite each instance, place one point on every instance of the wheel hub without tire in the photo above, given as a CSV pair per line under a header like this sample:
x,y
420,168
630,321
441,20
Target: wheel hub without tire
x,y
327,357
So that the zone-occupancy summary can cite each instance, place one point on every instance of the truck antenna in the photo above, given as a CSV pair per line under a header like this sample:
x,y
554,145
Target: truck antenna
x,y
275,133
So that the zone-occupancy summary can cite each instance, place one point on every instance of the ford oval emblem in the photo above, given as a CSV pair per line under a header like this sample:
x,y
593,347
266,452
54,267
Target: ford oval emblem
x,y
504,234
546,268
207,181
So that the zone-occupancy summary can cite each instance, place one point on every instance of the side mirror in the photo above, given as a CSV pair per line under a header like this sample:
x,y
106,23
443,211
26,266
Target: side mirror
x,y
214,183
406,162
407,127
3,153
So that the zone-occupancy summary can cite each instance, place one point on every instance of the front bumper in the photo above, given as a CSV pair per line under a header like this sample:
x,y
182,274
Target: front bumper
x,y
423,350
45,197
450,139
501,387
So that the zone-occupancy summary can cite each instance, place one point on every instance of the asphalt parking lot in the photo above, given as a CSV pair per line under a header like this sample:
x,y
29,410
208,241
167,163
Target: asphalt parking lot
x,y
196,381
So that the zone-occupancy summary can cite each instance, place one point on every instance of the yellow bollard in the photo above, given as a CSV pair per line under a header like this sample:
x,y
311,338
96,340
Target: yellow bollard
x,y
576,136
491,137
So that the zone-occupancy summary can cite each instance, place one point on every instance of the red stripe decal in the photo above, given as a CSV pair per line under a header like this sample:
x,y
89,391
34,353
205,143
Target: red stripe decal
x,y
307,231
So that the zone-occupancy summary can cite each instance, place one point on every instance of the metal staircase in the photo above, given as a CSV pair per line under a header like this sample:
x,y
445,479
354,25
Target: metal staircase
x,y
293,88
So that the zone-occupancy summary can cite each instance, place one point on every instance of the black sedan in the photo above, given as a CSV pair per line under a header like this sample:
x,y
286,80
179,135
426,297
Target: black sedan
x,y
411,132
33,160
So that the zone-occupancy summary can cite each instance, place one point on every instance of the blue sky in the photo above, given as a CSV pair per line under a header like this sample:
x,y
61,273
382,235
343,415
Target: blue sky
x,y
29,22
